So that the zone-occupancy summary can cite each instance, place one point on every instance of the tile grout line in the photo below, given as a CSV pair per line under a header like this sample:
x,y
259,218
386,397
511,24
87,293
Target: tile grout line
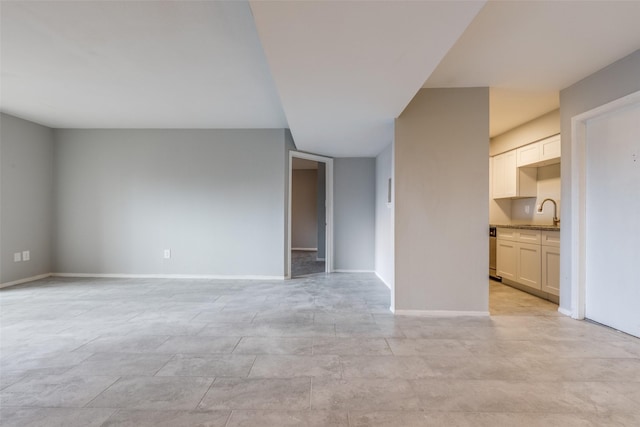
x,y
205,393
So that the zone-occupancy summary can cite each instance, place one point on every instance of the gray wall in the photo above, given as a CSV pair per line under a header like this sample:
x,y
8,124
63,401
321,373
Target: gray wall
x,y
216,198
26,173
354,213
304,211
322,209
384,217
441,206
289,145
615,81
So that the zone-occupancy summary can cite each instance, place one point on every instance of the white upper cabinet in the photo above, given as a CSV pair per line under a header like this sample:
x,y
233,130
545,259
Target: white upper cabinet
x,y
510,181
541,153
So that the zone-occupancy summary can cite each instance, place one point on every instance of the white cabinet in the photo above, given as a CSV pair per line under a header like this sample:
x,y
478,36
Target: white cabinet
x,y
541,153
528,268
506,259
530,258
550,254
510,181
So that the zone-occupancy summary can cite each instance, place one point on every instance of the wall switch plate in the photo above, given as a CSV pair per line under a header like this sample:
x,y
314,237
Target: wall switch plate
x,y
167,253
17,257
26,255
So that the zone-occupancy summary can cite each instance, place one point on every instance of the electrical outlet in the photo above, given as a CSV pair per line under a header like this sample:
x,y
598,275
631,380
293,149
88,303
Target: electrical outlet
x,y
17,257
527,209
167,253
26,255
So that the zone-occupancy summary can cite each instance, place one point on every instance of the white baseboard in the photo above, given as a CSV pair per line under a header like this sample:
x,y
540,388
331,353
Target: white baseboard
x,y
383,281
305,249
320,259
169,276
25,280
440,313
564,311
353,271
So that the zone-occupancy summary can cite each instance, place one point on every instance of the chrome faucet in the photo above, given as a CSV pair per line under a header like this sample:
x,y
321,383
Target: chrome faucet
x,y
556,221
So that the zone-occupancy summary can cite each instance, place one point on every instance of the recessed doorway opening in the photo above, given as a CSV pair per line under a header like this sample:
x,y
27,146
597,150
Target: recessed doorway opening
x,y
310,243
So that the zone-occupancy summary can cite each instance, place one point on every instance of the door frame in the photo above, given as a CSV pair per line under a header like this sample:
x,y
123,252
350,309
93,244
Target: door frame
x,y
328,207
578,199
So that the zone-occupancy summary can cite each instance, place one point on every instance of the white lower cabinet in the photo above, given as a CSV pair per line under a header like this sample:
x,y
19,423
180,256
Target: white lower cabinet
x,y
530,258
550,281
528,265
506,259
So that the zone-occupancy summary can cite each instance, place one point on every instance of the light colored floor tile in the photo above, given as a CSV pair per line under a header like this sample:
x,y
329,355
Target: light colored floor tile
x,y
270,393
351,346
296,366
208,365
476,419
277,346
139,418
160,393
243,418
23,364
121,364
54,417
55,390
198,345
521,396
124,344
525,365
572,369
428,347
363,394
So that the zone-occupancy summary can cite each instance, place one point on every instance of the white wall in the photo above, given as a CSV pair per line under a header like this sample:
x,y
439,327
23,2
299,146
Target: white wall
x,y
304,211
26,174
441,205
615,81
354,213
507,211
384,218
534,130
216,198
524,211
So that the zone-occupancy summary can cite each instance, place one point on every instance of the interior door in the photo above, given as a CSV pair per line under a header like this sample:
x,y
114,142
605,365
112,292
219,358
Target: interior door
x,y
612,233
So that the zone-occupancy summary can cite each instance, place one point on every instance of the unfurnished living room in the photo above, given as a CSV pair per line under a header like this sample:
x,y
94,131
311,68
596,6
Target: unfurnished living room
x,y
319,213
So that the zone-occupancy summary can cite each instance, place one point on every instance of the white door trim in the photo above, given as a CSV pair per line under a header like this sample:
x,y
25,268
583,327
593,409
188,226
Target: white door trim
x,y
329,207
578,197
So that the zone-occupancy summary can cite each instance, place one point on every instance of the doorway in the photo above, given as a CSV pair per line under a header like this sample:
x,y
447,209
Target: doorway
x,y
310,242
606,177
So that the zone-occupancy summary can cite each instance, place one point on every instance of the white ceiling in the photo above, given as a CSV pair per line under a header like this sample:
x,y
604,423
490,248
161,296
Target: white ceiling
x,y
118,64
345,70
527,51
342,71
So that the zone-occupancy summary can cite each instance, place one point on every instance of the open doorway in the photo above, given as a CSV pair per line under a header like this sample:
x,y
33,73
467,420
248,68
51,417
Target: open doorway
x,y
310,214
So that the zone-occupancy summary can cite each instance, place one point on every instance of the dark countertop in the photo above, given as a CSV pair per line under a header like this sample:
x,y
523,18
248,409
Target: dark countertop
x,y
528,226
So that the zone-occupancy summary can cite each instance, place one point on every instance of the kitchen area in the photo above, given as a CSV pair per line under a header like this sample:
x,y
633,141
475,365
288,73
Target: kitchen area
x,y
525,207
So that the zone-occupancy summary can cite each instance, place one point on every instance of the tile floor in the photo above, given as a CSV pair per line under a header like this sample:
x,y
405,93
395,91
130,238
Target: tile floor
x,y
305,262
317,351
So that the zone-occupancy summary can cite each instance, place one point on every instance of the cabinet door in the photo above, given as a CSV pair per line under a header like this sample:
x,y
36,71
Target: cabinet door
x,y
528,264
498,176
506,263
550,148
529,154
510,174
551,270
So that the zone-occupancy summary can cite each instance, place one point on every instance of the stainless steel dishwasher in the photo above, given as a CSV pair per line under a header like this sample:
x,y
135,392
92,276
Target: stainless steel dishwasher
x,y
492,254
